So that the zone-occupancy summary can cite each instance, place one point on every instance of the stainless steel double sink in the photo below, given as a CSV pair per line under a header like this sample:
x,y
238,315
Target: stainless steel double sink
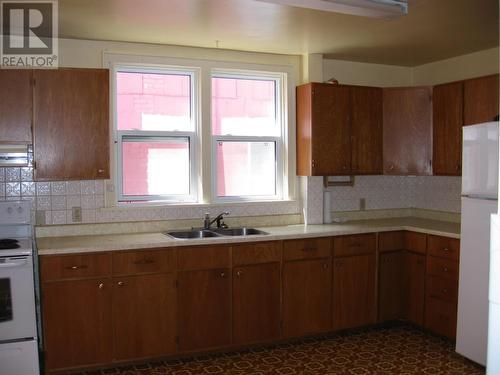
x,y
216,232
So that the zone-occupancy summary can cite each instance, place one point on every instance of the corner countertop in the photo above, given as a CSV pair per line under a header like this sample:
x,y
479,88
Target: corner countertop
x,y
115,242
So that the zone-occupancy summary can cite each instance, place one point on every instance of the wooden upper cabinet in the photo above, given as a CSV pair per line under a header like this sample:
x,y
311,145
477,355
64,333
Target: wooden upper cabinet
x,y
447,128
480,99
71,124
366,130
16,98
323,130
407,130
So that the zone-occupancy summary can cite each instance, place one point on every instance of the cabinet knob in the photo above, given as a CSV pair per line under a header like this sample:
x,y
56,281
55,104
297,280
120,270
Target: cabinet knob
x,y
238,273
446,250
101,285
223,274
457,167
391,167
100,171
344,167
444,291
121,283
445,269
325,266
75,267
313,163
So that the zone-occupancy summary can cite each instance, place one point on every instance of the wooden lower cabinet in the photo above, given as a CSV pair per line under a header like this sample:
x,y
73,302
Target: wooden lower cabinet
x,y
144,311
441,316
256,303
204,306
414,287
390,286
307,301
77,323
354,283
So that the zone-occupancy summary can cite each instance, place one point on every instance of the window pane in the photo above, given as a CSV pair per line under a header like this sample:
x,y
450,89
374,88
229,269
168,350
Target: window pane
x,y
246,168
147,101
156,167
244,107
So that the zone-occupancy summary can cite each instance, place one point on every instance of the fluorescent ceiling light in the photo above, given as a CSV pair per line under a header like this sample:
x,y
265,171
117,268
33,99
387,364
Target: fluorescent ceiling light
x,y
367,8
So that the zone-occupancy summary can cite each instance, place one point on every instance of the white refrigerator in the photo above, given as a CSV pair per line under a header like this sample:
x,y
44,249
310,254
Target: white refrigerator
x,y
479,201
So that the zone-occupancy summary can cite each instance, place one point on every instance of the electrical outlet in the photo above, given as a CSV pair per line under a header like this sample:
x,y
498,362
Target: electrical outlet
x,y
76,214
362,204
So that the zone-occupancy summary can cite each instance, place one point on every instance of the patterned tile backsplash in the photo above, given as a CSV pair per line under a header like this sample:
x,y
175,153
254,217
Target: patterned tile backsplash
x,y
388,192
53,201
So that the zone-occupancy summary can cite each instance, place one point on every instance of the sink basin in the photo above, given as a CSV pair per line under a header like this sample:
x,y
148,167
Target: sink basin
x,y
220,232
187,234
239,231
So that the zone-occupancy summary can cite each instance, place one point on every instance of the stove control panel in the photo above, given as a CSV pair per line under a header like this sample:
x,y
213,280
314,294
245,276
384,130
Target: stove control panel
x,y
15,212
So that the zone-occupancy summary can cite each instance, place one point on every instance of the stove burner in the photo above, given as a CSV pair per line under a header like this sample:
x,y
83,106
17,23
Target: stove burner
x,y
8,243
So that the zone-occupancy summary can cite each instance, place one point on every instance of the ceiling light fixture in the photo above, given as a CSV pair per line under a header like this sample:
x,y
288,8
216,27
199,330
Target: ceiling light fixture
x,y
366,8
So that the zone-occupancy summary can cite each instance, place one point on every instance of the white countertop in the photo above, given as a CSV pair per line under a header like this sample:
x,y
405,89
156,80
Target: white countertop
x,y
82,244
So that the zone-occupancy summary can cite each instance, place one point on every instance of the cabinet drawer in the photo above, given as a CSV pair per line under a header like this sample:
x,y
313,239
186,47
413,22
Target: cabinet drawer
x,y
307,248
391,241
143,261
354,245
444,247
75,266
441,288
416,242
203,257
441,317
260,252
442,267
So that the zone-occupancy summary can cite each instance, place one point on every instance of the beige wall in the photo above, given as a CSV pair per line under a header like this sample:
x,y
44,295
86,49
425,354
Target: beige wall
x,y
356,73
457,68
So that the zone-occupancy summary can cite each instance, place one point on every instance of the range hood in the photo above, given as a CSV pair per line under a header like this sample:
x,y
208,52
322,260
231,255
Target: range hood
x,y
14,155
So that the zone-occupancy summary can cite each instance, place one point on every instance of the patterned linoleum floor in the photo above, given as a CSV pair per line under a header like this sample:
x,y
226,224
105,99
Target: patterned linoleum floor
x,y
399,349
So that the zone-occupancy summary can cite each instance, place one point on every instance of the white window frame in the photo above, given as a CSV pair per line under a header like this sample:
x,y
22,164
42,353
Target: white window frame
x,y
280,102
158,135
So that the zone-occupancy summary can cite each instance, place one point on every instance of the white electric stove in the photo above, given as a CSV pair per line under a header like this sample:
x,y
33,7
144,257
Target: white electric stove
x,y
18,332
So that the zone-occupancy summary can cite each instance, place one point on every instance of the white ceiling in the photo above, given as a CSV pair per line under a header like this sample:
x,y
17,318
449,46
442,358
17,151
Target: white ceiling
x,y
433,29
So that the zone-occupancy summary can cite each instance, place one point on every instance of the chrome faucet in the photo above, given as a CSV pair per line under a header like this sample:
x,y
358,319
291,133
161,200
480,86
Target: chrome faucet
x,y
219,219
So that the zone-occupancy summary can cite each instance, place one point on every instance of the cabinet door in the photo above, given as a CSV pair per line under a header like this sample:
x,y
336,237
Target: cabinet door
x,y
480,99
77,323
353,291
366,128
390,290
447,128
16,98
256,303
330,133
204,305
414,286
407,130
307,297
144,311
71,124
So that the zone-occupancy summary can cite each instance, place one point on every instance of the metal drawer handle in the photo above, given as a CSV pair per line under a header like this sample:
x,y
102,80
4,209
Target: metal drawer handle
x,y
121,283
81,267
445,269
238,273
445,249
101,285
144,261
223,274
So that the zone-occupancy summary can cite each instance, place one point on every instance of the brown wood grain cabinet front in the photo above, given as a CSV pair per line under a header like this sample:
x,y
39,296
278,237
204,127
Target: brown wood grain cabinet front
x,y
480,99
366,130
71,124
414,286
447,128
78,329
144,316
256,303
407,130
339,130
307,297
390,285
323,130
16,100
204,305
